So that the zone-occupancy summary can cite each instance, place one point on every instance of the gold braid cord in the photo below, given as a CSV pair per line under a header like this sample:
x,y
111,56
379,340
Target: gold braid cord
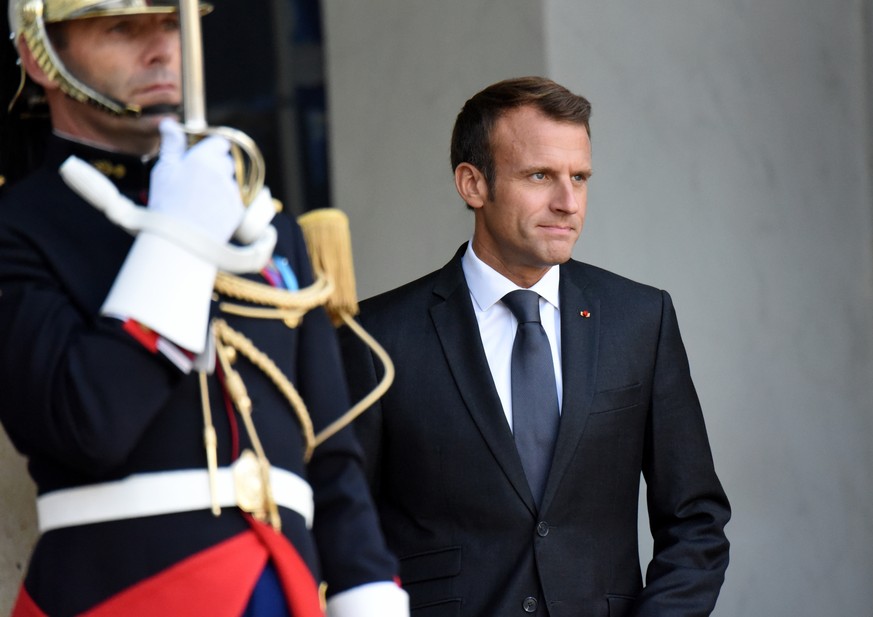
x,y
210,442
328,243
289,306
226,337
361,406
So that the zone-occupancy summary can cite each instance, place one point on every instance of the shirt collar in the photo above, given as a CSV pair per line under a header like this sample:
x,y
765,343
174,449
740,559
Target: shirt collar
x,y
487,286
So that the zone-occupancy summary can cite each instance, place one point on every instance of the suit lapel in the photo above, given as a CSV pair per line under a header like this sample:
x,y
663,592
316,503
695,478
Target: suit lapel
x,y
579,341
458,332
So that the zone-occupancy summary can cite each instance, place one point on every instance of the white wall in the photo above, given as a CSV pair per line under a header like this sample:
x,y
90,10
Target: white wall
x,y
731,168
398,73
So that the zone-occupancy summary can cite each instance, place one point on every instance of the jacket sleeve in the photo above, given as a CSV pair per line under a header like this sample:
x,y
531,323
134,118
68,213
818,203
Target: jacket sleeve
x,y
363,374
78,389
357,566
687,507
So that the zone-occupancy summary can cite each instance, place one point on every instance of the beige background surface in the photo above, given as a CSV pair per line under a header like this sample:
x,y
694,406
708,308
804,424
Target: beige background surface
x,y
17,517
731,152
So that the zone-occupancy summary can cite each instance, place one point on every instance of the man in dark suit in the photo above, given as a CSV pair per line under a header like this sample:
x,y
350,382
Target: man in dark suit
x,y
491,511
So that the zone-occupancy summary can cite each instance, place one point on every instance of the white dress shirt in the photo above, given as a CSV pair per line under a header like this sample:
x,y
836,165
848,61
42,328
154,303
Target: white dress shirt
x,y
497,325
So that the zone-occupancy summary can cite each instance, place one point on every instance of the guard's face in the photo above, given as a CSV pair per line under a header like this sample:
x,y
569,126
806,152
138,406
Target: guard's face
x,y
535,214
133,58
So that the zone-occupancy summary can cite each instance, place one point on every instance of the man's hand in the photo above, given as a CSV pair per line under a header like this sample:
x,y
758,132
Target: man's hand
x,y
196,185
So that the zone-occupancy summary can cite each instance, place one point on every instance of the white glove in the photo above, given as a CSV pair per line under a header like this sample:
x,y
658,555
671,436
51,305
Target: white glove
x,y
381,599
196,185
257,218
163,284
255,231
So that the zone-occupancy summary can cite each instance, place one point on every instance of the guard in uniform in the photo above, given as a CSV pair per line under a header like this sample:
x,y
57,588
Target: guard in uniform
x,y
166,362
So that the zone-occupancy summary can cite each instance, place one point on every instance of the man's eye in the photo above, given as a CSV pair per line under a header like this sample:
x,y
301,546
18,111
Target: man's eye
x,y
538,175
120,27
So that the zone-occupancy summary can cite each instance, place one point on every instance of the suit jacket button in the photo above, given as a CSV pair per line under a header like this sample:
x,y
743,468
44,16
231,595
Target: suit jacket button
x,y
542,529
529,605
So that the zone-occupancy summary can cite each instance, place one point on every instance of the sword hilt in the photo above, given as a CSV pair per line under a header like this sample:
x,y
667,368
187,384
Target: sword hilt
x,y
250,167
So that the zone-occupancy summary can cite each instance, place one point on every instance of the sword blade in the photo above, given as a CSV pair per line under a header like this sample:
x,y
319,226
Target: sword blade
x,y
193,89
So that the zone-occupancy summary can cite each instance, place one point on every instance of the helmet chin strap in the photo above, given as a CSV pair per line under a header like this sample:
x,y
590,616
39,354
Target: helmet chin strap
x,y
161,109
125,110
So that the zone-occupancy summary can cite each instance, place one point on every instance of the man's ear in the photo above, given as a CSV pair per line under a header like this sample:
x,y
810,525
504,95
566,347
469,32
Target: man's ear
x,y
471,185
32,66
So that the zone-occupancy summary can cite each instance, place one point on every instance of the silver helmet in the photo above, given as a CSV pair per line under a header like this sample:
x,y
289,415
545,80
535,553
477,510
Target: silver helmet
x,y
28,19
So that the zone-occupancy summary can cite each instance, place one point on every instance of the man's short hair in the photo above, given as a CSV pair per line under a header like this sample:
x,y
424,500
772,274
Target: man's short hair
x,y
471,136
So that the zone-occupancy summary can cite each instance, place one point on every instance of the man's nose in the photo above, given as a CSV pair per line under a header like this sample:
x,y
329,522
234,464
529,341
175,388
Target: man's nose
x,y
161,46
567,197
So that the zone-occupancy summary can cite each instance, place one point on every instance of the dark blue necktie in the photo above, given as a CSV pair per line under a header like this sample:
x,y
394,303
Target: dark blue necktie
x,y
534,394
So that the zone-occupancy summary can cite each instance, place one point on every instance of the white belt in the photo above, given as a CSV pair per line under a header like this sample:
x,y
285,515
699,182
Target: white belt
x,y
163,492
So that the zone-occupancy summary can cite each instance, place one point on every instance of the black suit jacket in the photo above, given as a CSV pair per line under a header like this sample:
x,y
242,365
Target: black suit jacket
x,y
454,502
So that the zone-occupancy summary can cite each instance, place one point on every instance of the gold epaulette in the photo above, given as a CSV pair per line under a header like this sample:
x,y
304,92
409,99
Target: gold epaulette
x,y
329,243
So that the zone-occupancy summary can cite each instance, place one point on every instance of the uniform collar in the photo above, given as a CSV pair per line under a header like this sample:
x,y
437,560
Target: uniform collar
x,y
130,173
